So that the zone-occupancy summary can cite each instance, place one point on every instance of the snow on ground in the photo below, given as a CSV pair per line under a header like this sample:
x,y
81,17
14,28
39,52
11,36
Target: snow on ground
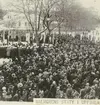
x,y
2,60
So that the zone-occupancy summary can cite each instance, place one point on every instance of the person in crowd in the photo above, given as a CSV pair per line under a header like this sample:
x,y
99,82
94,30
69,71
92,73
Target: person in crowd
x,y
68,69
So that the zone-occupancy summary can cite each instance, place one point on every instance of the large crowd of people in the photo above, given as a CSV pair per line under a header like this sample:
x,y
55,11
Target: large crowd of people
x,y
69,69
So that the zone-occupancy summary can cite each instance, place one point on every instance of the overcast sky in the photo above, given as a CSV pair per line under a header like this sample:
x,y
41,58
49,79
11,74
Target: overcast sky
x,y
95,4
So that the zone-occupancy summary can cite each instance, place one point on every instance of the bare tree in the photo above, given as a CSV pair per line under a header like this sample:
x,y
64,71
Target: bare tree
x,y
37,13
42,14
47,16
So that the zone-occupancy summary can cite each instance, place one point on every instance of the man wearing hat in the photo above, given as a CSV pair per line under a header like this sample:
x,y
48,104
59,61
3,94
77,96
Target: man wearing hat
x,y
92,93
69,91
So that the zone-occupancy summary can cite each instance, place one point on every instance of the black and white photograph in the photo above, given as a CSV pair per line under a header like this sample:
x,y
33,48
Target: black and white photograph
x,y
49,49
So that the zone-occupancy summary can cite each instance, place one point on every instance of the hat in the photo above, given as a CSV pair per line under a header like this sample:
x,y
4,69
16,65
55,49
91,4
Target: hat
x,y
69,85
40,74
20,85
54,82
32,73
13,74
87,84
93,73
3,88
97,72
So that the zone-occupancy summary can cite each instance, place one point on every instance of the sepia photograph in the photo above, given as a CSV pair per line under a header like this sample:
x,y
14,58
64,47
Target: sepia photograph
x,y
49,49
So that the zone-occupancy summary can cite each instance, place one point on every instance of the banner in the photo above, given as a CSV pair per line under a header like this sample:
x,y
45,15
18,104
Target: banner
x,y
28,37
65,102
55,102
